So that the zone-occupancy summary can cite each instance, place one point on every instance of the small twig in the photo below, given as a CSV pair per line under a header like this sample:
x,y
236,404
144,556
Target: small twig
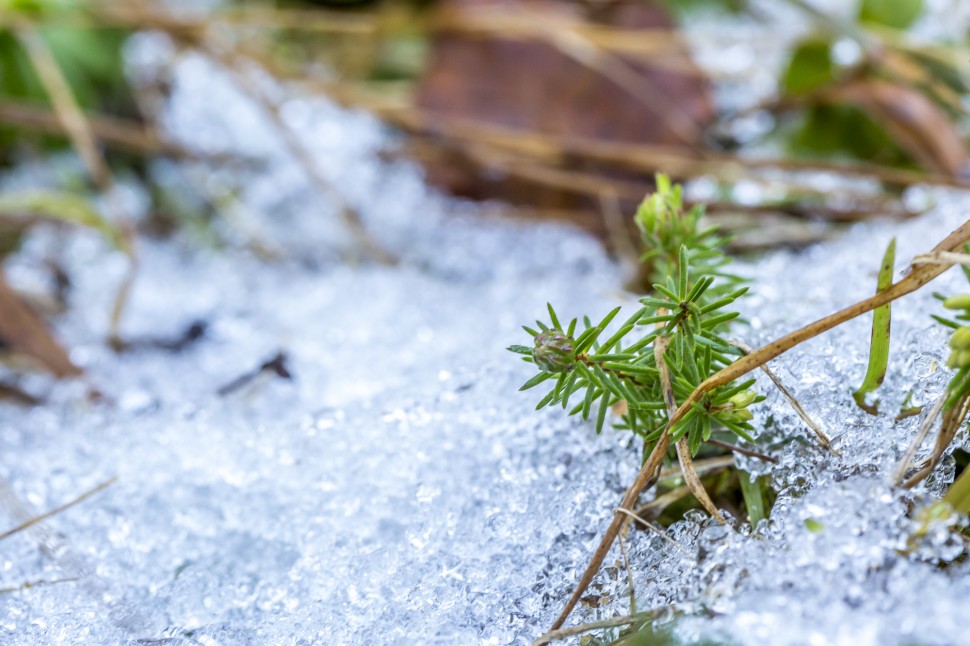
x,y
924,429
795,404
629,574
53,512
275,365
556,635
919,276
650,466
659,531
743,451
351,218
82,137
953,418
35,584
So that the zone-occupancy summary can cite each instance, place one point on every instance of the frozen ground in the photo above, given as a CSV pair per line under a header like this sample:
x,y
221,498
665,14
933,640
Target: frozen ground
x,y
398,490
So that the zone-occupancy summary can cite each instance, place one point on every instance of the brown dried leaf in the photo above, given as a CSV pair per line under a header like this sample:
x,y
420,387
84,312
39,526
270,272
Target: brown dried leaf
x,y
24,331
922,128
561,81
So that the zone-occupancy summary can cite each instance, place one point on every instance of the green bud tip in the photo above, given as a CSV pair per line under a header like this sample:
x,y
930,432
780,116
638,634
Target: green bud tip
x,y
961,302
959,358
742,414
960,339
744,398
554,351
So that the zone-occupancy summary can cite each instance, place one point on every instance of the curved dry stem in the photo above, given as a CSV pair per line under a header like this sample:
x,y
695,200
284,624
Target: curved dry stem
x,y
952,421
924,430
53,512
555,635
787,394
919,275
649,467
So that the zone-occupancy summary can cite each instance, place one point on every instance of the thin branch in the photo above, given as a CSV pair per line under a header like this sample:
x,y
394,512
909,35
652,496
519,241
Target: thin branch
x,y
919,276
795,404
650,466
53,512
924,429
743,451
350,217
556,635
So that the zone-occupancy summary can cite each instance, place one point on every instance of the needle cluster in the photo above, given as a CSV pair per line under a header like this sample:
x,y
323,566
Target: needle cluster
x,y
681,324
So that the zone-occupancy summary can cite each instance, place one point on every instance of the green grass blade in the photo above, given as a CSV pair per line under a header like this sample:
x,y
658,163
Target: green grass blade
x,y
879,343
754,497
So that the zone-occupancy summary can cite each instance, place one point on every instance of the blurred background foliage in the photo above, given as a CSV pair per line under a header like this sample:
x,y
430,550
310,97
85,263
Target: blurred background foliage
x,y
559,109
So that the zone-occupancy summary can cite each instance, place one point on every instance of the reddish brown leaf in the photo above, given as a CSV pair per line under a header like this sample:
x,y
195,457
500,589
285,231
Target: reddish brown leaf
x,y
24,331
559,81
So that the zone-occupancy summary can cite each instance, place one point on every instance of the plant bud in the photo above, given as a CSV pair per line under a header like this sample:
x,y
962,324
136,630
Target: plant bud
x,y
742,414
959,359
961,302
960,339
743,399
554,351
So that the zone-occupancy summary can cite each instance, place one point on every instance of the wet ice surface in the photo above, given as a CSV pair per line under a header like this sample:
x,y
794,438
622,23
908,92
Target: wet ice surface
x,y
398,489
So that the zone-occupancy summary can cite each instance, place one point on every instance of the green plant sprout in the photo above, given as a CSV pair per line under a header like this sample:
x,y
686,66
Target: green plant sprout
x,y
922,270
642,378
879,340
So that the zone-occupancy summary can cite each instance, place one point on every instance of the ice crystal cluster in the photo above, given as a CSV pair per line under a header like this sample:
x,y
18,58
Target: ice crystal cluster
x,y
396,490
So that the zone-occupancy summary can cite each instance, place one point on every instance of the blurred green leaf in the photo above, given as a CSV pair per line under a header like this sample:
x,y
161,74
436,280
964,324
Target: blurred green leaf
x,y
810,67
60,207
898,14
847,130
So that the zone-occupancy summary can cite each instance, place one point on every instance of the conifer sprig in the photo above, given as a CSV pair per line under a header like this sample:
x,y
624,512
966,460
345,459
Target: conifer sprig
x,y
689,307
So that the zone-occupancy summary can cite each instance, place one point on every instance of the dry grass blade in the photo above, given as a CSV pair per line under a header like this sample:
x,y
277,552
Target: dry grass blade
x,y
362,238
53,512
919,275
953,418
924,429
558,634
693,481
80,132
120,134
35,584
65,106
787,394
